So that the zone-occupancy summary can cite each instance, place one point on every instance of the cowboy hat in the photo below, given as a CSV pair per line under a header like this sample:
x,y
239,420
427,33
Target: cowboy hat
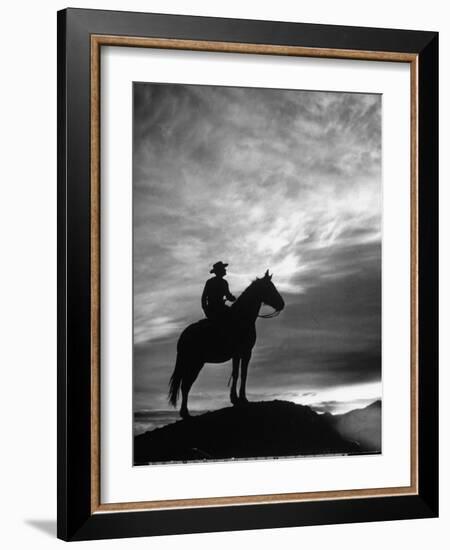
x,y
218,266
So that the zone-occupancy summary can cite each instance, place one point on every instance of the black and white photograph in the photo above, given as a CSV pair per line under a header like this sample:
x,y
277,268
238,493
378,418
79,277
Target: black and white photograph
x,y
225,275
257,273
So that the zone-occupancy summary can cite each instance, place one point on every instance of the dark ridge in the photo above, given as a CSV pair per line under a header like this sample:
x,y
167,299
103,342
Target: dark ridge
x,y
264,429
362,425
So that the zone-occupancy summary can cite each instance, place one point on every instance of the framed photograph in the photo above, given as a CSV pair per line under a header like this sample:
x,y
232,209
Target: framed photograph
x,y
247,254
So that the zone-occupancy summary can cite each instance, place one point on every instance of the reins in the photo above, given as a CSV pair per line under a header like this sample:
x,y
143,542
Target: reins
x,y
274,313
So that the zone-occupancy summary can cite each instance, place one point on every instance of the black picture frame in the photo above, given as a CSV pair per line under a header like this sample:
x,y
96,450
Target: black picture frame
x,y
77,518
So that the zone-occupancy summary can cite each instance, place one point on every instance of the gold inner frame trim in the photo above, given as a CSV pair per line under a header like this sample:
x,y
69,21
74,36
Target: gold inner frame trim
x,y
97,41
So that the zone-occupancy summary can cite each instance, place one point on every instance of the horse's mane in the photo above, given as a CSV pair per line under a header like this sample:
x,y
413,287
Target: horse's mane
x,y
246,292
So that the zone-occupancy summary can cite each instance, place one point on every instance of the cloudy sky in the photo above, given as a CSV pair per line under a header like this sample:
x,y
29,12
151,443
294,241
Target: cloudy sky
x,y
282,179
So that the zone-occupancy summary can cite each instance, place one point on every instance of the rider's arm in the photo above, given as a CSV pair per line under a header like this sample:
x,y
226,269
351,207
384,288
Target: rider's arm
x,y
204,298
228,294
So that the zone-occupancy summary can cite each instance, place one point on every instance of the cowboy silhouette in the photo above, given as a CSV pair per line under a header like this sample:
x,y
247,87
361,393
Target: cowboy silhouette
x,y
216,292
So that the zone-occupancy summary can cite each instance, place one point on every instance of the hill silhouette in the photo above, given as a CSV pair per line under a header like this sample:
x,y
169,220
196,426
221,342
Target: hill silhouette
x,y
362,425
254,430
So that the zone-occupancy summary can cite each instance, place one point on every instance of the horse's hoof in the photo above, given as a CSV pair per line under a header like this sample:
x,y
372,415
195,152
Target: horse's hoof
x,y
243,400
234,399
185,415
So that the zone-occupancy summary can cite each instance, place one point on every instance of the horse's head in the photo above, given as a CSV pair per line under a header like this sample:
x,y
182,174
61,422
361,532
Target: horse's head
x,y
269,294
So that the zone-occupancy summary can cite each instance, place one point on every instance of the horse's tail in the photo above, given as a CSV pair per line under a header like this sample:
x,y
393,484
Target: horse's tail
x,y
175,382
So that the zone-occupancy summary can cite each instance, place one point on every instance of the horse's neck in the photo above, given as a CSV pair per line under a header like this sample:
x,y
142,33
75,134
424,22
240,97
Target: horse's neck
x,y
247,306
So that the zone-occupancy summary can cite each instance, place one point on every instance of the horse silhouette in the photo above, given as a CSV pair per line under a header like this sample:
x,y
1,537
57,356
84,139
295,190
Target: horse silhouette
x,y
218,341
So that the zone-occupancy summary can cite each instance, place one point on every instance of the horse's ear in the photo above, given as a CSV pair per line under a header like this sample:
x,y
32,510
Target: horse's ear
x,y
266,274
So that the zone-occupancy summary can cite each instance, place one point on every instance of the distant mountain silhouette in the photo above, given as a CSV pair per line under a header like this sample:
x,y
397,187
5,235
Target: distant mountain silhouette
x,y
258,429
361,425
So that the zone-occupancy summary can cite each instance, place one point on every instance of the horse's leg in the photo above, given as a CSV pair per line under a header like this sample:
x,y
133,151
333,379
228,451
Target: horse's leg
x,y
234,379
244,367
186,384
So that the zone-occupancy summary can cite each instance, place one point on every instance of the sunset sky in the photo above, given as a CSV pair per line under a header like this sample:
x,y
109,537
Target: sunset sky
x,y
284,180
